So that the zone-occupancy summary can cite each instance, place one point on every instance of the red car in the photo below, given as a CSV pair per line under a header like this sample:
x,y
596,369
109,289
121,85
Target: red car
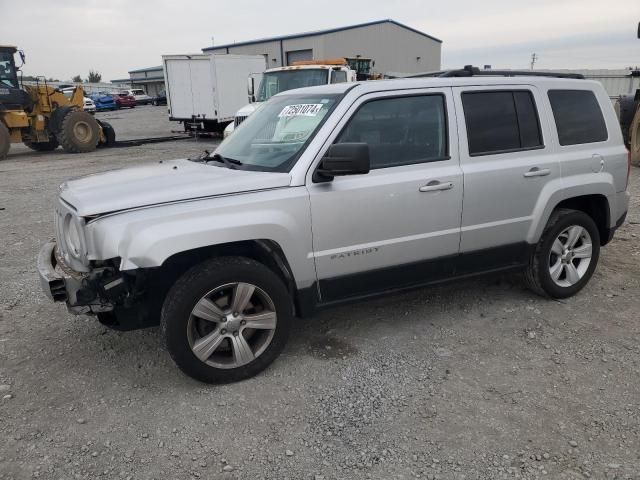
x,y
124,101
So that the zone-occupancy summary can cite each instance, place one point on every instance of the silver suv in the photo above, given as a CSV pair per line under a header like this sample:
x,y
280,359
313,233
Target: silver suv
x,y
339,192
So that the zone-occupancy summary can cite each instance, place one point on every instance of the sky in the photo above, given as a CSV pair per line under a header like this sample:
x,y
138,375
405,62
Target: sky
x,y
62,38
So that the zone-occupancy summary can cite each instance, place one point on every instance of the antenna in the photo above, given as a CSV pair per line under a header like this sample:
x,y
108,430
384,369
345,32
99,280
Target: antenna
x,y
534,59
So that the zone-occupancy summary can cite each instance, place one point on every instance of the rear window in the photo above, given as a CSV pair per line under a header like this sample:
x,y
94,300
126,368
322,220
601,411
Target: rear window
x,y
578,117
501,121
137,92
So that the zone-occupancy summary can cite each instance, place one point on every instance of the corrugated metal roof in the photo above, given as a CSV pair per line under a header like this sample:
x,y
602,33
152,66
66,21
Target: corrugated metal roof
x,y
320,32
149,69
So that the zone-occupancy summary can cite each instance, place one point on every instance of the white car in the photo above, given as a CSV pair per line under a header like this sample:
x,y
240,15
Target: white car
x,y
141,97
89,106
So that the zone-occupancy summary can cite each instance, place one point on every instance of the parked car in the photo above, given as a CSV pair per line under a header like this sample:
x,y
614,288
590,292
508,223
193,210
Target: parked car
x,y
141,97
124,101
340,192
160,99
103,102
89,106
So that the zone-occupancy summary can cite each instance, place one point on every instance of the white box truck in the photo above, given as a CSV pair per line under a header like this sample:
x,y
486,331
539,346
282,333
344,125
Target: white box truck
x,y
205,91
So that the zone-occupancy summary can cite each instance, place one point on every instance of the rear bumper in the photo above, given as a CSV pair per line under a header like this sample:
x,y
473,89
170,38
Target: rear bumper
x,y
618,224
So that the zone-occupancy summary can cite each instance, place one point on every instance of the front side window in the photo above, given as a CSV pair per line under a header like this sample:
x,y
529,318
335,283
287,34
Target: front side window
x,y
578,117
338,76
400,130
7,71
272,138
283,80
501,121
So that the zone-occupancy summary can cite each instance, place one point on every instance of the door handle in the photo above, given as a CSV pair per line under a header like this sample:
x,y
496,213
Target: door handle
x,y
435,185
537,172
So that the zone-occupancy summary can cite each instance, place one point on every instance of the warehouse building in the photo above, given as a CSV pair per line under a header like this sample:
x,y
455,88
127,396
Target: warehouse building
x,y
150,79
394,47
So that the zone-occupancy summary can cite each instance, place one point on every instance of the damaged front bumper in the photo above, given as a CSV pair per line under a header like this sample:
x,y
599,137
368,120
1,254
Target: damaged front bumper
x,y
84,293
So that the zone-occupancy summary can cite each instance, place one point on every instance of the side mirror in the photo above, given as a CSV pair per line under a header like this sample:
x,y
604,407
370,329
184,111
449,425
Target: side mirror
x,y
251,89
343,159
638,29
22,57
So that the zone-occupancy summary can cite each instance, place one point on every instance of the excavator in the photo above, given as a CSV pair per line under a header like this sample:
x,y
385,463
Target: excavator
x,y
43,117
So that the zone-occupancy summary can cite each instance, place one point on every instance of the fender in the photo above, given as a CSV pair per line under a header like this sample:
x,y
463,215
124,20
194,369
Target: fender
x,y
145,238
560,189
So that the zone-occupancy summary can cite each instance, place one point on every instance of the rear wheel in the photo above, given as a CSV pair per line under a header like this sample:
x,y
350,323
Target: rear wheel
x,y
109,134
5,140
80,132
52,144
226,319
566,255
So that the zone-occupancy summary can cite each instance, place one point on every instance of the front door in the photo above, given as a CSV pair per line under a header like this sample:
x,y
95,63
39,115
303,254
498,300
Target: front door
x,y
386,229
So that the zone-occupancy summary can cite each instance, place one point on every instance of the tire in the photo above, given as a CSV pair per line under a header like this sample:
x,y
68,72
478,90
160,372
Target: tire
x,y
634,139
223,280
56,118
109,134
544,260
625,108
154,103
80,133
49,146
5,141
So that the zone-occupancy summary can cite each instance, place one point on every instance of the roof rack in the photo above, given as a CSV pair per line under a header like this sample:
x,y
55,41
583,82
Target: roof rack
x,y
471,71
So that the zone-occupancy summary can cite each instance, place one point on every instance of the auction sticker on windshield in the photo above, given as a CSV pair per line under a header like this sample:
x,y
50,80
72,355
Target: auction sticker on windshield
x,y
301,110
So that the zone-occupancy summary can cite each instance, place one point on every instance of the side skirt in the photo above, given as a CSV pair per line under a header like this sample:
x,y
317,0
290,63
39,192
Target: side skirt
x,y
354,287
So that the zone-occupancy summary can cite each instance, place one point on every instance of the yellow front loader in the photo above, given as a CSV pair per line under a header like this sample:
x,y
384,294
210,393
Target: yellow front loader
x,y
42,117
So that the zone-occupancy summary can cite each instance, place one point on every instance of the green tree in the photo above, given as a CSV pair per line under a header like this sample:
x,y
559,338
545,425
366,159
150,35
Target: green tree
x,y
77,79
94,77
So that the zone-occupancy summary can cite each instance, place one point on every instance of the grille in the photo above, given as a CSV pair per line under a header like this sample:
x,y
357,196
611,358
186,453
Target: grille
x,y
239,120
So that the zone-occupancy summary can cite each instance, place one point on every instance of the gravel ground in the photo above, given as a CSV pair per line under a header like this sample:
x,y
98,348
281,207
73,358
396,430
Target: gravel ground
x,y
478,379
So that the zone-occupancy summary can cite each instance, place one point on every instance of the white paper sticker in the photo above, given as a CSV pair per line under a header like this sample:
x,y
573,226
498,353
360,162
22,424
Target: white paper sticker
x,y
301,110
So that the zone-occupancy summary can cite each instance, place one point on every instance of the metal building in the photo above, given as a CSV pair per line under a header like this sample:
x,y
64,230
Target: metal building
x,y
150,79
616,82
394,46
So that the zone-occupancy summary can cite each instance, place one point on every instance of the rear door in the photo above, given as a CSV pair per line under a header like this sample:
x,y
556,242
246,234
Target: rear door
x,y
387,229
190,87
506,165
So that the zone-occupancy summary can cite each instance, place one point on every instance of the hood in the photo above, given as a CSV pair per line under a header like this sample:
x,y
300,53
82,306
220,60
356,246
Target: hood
x,y
168,181
248,109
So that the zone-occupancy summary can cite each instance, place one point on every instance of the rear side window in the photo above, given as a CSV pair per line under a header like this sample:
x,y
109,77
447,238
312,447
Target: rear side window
x,y
501,121
578,117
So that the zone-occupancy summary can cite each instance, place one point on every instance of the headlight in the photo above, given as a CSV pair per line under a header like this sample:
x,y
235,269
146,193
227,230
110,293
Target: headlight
x,y
72,236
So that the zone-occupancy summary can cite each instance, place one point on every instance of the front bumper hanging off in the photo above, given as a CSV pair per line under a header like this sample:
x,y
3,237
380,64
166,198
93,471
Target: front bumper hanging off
x,y
79,290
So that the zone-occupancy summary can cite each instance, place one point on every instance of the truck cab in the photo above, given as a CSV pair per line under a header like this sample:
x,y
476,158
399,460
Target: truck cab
x,y
299,75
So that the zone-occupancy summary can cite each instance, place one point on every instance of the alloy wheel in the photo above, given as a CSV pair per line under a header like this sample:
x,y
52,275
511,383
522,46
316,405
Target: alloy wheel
x,y
231,325
570,256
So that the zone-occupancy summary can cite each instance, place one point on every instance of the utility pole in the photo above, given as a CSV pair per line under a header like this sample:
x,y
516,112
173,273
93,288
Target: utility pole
x,y
534,59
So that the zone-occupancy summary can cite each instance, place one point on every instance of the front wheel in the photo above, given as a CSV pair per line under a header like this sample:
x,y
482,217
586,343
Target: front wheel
x,y
80,132
226,319
566,255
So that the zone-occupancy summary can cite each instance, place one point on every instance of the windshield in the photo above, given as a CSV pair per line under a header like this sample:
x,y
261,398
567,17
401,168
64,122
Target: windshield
x,y
276,82
271,139
7,71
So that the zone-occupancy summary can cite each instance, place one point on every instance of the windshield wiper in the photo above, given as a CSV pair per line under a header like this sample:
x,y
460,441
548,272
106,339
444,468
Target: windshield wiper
x,y
202,157
229,162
